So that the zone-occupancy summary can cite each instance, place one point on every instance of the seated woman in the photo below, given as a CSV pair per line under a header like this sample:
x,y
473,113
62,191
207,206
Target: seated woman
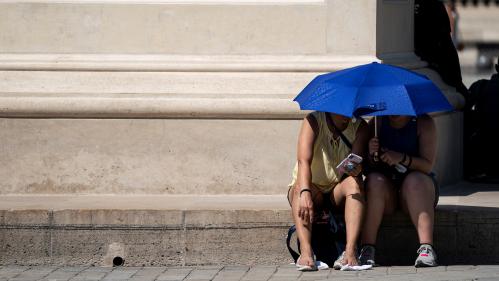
x,y
315,179
409,143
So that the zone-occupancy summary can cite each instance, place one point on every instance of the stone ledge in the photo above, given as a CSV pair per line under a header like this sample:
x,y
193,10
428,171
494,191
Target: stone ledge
x,y
192,63
198,230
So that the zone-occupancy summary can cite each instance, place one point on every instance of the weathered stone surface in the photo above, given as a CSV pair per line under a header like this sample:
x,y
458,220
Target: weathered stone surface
x,y
139,247
25,246
226,245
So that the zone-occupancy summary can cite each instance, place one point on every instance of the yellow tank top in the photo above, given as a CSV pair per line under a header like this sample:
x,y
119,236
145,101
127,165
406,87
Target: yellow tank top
x,y
328,153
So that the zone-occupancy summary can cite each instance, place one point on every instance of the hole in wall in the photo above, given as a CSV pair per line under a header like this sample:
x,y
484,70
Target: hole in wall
x,y
118,261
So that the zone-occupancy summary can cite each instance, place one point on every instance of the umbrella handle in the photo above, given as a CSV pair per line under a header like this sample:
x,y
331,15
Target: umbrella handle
x,y
375,155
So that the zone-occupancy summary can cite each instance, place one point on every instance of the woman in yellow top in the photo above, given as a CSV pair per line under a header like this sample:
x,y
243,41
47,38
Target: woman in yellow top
x,y
315,179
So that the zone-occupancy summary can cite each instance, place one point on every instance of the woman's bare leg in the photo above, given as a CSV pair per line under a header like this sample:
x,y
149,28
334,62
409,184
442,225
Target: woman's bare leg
x,y
418,197
303,227
381,200
350,193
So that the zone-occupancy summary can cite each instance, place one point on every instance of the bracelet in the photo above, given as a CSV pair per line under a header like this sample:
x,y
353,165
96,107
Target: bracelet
x,y
403,159
410,161
305,189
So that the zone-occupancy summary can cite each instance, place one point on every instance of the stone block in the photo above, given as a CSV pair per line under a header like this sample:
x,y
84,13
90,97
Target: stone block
x,y
237,218
171,219
33,218
139,247
163,27
226,245
25,246
76,156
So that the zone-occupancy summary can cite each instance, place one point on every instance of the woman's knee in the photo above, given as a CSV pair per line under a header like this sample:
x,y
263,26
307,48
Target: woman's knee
x,y
353,185
417,183
377,185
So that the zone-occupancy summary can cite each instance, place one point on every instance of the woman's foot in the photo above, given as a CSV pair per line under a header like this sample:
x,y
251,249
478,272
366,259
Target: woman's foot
x,y
344,259
366,255
304,263
351,258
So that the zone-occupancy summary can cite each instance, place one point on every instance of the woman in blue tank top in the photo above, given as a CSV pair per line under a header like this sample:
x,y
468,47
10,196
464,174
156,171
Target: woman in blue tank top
x,y
402,177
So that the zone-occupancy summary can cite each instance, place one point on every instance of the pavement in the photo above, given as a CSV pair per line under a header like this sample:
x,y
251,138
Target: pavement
x,y
248,273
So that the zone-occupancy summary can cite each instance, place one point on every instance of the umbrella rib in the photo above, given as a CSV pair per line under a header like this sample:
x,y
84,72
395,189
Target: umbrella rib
x,y
356,102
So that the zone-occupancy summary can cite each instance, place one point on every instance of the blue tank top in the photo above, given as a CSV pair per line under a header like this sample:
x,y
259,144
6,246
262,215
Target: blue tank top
x,y
404,140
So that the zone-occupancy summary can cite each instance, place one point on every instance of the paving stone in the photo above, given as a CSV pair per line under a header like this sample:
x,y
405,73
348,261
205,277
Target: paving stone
x,y
460,267
61,274
202,274
424,270
120,274
172,274
401,270
259,273
145,274
35,273
374,271
90,275
343,274
231,273
314,275
11,271
236,267
287,271
282,278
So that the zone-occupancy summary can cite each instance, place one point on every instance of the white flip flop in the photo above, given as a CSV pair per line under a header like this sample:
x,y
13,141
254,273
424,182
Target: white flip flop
x,y
305,267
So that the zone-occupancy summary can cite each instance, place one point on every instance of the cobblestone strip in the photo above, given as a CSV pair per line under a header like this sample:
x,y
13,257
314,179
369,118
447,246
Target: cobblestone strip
x,y
64,273
34,273
288,272
121,273
231,273
147,274
259,273
246,273
203,273
174,274
10,271
92,273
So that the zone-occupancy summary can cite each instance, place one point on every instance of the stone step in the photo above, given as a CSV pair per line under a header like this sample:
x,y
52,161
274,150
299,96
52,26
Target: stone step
x,y
218,229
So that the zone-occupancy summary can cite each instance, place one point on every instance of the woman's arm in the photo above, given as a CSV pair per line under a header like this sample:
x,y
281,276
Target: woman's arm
x,y
306,139
427,134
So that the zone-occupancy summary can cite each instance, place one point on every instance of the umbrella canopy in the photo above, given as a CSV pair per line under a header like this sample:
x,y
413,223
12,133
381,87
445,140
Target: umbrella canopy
x,y
373,89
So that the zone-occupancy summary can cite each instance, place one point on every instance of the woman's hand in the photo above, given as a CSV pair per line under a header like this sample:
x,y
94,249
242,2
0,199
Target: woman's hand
x,y
391,157
306,209
373,146
355,171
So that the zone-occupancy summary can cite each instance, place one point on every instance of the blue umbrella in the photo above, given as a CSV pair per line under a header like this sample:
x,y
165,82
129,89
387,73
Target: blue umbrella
x,y
373,89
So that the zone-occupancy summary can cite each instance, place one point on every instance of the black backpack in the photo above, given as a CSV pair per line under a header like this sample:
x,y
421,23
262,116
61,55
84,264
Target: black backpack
x,y
328,238
481,126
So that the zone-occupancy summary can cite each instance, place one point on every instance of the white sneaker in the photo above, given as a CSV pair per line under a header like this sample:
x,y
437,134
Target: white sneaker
x,y
366,255
427,256
339,263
